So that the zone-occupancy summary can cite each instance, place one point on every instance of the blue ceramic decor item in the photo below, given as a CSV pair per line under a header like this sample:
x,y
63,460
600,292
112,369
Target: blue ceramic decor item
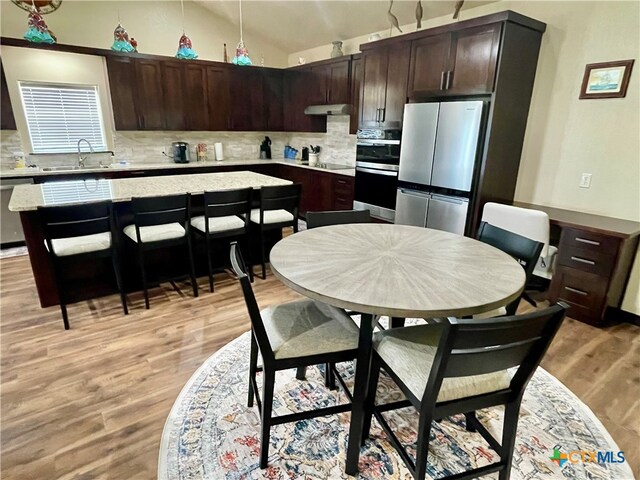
x,y
242,55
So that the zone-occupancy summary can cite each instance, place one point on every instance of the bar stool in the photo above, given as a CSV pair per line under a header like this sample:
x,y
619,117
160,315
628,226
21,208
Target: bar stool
x,y
279,208
222,219
80,233
160,222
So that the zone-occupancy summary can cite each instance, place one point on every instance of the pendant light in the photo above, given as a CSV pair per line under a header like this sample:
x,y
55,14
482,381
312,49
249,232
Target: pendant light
x,y
242,55
185,47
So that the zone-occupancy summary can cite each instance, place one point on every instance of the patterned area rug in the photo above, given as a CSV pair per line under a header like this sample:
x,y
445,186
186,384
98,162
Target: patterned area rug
x,y
211,434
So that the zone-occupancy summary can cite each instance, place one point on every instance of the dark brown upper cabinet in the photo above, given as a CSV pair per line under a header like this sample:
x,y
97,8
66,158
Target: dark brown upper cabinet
x,y
273,84
7,120
149,95
462,62
296,99
355,86
247,95
122,85
173,93
196,98
384,86
331,83
218,99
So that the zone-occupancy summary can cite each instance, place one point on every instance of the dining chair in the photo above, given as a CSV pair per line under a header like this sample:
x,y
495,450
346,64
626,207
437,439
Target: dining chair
x,y
292,335
160,222
323,219
459,367
530,223
80,233
525,250
279,206
226,216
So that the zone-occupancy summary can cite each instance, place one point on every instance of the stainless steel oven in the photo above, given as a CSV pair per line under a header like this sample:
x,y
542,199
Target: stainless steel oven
x,y
377,166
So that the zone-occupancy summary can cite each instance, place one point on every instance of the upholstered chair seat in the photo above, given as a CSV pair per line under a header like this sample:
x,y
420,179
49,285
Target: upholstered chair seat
x,y
218,224
64,247
155,233
271,216
306,327
410,352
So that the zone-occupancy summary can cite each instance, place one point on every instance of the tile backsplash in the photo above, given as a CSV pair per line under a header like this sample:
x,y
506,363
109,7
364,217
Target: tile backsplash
x,y
338,146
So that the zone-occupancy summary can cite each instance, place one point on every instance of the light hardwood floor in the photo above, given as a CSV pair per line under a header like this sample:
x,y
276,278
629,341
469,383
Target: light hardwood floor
x,y
91,402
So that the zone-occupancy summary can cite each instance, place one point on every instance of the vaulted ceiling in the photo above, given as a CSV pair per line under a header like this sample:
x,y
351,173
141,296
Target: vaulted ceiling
x,y
295,25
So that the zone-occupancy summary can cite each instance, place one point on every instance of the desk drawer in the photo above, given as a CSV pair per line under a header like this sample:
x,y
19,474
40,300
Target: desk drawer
x,y
595,242
586,292
593,261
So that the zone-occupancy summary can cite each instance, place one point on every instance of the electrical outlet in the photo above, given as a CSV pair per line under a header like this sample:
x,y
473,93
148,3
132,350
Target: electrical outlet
x,y
585,180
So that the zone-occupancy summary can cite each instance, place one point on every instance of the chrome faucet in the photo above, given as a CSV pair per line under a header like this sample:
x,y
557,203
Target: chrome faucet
x,y
81,159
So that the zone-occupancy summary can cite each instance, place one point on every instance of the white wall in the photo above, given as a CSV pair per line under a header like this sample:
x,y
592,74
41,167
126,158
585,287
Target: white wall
x,y
157,26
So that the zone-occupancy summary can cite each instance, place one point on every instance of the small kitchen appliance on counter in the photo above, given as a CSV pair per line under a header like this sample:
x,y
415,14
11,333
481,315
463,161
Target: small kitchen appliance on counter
x,y
265,149
181,152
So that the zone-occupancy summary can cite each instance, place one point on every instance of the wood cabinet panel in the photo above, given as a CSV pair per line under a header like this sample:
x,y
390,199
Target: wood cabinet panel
x,y
396,85
274,100
355,86
429,64
474,60
338,85
195,97
7,119
296,95
122,85
247,94
218,98
149,95
374,86
173,94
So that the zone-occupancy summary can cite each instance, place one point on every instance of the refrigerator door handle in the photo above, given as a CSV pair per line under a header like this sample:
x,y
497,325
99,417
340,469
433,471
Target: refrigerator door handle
x,y
443,198
415,193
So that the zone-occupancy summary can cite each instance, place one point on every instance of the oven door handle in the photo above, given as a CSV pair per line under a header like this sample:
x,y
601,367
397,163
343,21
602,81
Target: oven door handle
x,y
388,173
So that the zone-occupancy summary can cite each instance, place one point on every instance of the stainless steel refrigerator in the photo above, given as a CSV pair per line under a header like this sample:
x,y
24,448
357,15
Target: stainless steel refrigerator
x,y
437,159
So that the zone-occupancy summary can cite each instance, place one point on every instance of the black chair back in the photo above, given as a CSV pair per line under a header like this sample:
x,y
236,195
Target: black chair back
x,y
224,203
338,217
76,220
260,333
149,211
477,347
523,249
283,197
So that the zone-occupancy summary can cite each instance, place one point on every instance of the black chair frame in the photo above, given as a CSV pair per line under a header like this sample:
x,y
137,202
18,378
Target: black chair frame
x,y
66,221
271,365
472,347
223,203
150,211
281,197
523,249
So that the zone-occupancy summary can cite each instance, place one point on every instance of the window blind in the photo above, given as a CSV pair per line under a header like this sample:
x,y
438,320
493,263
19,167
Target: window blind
x,y
58,116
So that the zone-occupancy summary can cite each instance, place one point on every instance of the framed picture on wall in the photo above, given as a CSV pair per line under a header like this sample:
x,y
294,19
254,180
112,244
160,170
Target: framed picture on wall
x,y
606,80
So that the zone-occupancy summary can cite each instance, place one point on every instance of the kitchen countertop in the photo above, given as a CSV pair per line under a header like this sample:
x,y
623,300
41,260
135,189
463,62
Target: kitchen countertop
x,y
30,197
7,173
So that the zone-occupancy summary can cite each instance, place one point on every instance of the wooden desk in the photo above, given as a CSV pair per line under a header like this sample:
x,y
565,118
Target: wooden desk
x,y
394,270
593,264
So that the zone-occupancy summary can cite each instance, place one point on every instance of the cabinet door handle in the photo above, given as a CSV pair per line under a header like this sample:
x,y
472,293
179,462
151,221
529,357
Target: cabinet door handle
x,y
448,85
442,75
583,260
588,242
575,290
377,115
384,114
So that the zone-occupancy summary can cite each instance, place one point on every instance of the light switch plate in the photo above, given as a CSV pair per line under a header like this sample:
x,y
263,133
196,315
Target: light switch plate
x,y
585,180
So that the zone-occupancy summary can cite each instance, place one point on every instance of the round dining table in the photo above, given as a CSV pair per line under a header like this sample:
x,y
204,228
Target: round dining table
x,y
397,271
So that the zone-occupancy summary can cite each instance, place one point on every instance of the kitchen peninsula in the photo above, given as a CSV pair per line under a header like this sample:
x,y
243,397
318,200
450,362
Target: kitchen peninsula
x,y
27,198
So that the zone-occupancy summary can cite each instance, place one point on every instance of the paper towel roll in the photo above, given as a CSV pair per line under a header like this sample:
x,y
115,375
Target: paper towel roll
x,y
218,149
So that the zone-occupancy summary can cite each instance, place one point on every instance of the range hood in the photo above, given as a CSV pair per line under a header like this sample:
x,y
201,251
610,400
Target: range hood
x,y
339,109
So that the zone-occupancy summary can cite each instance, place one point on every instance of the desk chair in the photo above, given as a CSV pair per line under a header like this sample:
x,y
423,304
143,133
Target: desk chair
x,y
279,208
160,222
288,336
226,215
460,367
523,249
80,233
529,223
